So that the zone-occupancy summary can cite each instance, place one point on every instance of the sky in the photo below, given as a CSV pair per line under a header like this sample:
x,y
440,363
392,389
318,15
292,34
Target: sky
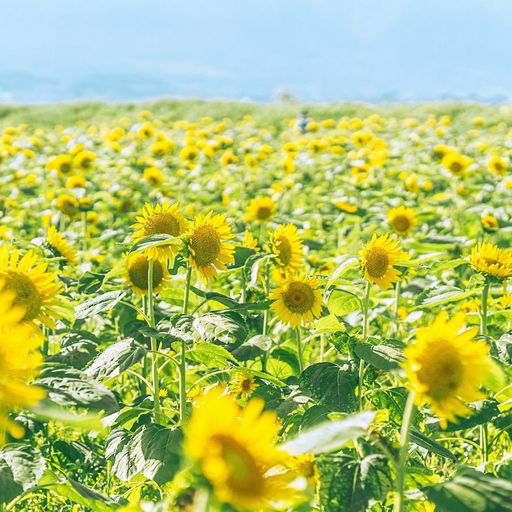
x,y
318,50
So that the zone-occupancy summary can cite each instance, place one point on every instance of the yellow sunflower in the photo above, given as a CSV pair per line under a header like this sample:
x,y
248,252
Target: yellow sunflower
x,y
261,209
490,260
456,163
236,452
60,247
243,384
446,367
63,164
153,176
67,204
163,218
498,166
490,223
402,220
287,246
19,360
137,274
298,301
208,248
378,258
84,160
250,242
35,289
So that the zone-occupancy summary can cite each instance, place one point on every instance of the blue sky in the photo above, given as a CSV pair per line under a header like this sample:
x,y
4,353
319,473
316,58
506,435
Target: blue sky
x,y
320,50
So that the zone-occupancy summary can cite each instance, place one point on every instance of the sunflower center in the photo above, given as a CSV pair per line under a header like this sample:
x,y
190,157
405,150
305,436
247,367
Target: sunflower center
x,y
205,245
162,223
442,372
299,297
65,168
264,213
235,465
492,261
377,262
456,167
27,294
401,223
284,250
138,273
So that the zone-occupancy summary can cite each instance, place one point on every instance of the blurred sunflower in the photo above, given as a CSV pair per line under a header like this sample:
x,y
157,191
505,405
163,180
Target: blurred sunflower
x,y
63,164
287,246
84,160
497,166
208,248
137,274
446,367
378,258
243,384
236,452
456,163
19,360
402,220
249,241
490,260
60,247
261,209
34,288
153,176
298,301
67,204
163,218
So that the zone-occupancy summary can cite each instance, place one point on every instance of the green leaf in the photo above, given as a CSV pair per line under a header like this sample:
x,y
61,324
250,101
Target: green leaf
x,y
504,348
116,359
80,494
347,265
98,304
253,347
328,324
21,467
431,445
48,410
442,295
383,356
77,349
210,355
342,302
156,240
68,386
330,385
153,451
226,326
471,492
330,435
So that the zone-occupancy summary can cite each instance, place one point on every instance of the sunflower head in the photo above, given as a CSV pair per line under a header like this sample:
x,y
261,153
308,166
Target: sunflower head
x,y
208,246
235,451
153,176
446,367
492,261
298,301
60,247
136,275
261,209
19,360
243,384
67,204
378,258
287,246
163,218
34,289
456,163
402,220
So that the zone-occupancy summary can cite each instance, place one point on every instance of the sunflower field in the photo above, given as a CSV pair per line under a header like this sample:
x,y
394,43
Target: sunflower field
x,y
228,307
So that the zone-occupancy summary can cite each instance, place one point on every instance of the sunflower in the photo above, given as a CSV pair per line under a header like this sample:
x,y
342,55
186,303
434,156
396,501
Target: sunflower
x,y
490,223
287,246
243,384
153,176
250,242
378,258
498,166
19,359
63,164
402,220
84,160
490,260
236,452
60,247
261,209
207,246
163,218
34,288
67,204
298,301
456,163
446,367
137,274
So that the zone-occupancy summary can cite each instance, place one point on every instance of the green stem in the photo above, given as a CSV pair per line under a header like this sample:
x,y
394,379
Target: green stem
x,y
154,347
265,315
397,305
401,470
483,331
366,301
243,295
183,351
299,350
84,227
